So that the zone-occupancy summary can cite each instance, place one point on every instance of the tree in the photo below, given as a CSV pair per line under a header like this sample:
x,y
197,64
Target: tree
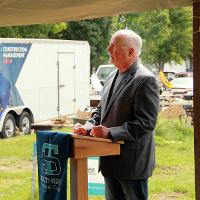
x,y
181,24
30,31
34,31
57,30
164,34
7,32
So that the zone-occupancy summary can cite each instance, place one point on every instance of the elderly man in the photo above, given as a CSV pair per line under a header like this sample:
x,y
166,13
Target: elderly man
x,y
127,111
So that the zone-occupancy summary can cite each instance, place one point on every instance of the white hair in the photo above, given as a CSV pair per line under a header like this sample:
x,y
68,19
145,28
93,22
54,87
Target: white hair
x,y
132,39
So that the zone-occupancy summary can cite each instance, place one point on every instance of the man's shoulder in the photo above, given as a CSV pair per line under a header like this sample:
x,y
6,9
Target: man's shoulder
x,y
143,71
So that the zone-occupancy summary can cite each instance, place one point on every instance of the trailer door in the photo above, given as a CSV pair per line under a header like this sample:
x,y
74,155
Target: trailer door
x,y
66,83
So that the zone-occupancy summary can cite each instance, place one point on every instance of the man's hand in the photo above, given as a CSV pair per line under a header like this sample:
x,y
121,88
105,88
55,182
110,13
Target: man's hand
x,y
100,131
80,129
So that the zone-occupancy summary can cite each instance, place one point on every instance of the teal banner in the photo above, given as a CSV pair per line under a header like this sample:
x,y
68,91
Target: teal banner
x,y
52,153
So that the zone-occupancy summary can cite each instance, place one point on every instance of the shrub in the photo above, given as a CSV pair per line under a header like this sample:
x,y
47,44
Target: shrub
x,y
173,129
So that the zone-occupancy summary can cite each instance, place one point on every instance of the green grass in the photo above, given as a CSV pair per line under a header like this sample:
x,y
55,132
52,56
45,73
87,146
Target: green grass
x,y
174,170
174,173
16,167
173,177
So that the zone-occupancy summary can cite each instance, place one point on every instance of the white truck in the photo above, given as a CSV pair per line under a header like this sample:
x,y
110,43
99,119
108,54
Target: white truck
x,y
98,79
41,79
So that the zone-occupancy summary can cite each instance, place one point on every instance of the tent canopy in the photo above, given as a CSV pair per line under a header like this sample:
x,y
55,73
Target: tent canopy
x,y
24,12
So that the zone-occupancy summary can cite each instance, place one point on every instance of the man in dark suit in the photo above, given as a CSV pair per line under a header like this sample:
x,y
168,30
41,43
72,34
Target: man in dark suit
x,y
127,111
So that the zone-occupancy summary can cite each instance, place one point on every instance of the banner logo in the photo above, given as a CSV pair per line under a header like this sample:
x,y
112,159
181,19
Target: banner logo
x,y
51,164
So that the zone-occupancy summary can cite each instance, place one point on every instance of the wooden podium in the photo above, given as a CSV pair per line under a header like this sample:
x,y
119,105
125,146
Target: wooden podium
x,y
83,147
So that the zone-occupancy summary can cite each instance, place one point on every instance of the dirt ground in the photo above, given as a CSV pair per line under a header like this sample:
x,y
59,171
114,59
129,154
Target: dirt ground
x,y
172,111
167,196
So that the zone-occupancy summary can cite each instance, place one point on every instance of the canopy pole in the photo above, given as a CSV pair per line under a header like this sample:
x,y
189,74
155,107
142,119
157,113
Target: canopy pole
x,y
196,72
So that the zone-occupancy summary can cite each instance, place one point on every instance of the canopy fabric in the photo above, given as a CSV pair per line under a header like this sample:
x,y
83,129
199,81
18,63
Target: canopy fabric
x,y
24,12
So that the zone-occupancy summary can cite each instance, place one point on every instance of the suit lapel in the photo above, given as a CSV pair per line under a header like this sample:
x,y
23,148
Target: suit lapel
x,y
123,83
108,90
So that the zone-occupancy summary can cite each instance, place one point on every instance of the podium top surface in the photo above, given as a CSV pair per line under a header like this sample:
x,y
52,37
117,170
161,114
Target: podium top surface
x,y
85,146
50,125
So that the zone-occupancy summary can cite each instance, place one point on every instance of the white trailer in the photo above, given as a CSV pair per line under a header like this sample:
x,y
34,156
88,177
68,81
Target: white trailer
x,y
41,79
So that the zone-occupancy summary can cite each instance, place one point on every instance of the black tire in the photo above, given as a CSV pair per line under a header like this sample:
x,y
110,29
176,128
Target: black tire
x,y
9,126
25,123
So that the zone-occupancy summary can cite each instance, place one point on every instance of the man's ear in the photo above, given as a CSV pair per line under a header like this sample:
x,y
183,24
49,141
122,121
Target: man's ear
x,y
131,52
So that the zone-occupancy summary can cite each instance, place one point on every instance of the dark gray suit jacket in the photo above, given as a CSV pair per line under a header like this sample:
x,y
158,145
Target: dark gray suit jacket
x,y
131,116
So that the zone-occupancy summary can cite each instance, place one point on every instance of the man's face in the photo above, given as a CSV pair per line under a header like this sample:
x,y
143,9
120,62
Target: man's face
x,y
119,53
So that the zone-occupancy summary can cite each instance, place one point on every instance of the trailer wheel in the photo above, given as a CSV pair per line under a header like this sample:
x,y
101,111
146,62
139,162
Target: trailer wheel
x,y
25,123
9,126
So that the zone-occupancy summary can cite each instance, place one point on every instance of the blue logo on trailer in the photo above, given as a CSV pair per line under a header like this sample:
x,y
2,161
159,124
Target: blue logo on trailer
x,y
12,58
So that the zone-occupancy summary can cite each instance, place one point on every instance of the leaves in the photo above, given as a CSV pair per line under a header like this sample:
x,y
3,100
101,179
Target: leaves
x,y
167,34
31,31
